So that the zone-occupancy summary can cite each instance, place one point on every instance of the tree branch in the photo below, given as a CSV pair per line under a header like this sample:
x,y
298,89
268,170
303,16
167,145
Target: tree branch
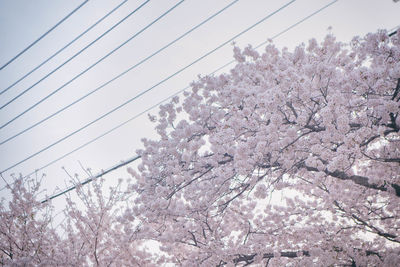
x,y
360,180
396,90
248,259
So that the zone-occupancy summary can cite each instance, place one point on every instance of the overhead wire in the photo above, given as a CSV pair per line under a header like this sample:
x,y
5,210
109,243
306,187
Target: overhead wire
x,y
394,28
285,30
92,178
105,133
149,89
43,35
393,31
64,47
66,62
119,75
168,98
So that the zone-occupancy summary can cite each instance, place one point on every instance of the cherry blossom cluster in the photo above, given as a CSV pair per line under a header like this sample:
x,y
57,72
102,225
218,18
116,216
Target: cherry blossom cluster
x,y
318,125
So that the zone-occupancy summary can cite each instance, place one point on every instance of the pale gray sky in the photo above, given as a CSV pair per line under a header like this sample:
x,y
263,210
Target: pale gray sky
x,y
23,21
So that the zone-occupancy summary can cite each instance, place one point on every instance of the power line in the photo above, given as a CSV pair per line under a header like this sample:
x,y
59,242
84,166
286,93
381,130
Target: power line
x,y
166,99
41,37
394,30
105,133
90,179
119,75
102,135
149,89
297,23
63,48
65,62
285,30
118,126
94,64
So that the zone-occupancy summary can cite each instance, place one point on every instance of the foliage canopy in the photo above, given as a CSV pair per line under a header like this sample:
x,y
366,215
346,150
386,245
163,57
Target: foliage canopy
x,y
318,127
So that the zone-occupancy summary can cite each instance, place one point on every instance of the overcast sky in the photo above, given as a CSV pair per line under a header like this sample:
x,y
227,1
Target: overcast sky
x,y
23,21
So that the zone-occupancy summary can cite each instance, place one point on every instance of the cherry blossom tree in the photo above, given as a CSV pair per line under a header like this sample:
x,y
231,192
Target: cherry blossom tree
x,y
291,159
26,236
95,231
318,126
